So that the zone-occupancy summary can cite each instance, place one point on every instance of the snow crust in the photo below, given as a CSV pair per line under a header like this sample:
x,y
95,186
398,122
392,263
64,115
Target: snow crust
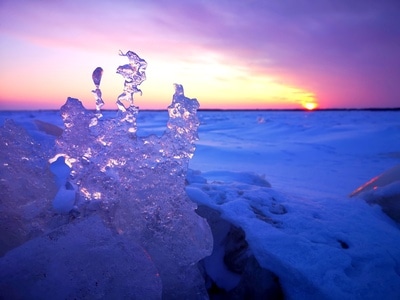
x,y
319,249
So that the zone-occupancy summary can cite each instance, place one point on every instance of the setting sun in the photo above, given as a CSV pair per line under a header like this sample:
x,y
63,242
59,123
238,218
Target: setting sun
x,y
310,105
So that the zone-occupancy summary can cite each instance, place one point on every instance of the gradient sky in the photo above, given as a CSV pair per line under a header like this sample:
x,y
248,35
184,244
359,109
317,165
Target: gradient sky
x,y
226,53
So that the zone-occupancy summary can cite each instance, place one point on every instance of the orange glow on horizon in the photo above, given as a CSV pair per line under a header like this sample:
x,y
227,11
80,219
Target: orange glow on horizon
x,y
215,82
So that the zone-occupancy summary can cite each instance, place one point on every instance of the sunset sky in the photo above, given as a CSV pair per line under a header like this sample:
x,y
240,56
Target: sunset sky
x,y
262,54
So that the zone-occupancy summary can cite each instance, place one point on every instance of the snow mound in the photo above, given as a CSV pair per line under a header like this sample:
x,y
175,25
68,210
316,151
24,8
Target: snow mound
x,y
318,249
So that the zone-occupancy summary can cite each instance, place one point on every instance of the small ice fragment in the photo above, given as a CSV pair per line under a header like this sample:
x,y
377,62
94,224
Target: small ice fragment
x,y
60,169
96,76
64,199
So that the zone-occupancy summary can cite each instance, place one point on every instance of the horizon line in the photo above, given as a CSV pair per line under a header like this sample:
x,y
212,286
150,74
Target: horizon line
x,y
233,109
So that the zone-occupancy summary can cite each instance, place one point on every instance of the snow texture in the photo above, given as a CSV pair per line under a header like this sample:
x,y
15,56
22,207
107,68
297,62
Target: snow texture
x,y
318,249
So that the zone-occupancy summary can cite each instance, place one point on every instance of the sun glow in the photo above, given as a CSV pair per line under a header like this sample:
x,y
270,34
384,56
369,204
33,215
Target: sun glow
x,y
310,105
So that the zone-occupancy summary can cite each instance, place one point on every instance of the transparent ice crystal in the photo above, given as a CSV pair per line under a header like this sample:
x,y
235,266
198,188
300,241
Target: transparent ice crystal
x,y
134,74
137,184
96,76
110,154
128,189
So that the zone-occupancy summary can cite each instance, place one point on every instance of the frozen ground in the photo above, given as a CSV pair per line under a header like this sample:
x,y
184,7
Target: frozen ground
x,y
307,153
304,228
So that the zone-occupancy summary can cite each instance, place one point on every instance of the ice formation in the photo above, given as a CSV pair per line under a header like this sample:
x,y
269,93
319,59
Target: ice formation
x,y
96,76
134,74
136,187
383,190
137,183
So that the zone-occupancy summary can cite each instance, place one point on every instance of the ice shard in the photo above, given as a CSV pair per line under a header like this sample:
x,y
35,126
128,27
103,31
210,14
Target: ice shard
x,y
134,74
96,76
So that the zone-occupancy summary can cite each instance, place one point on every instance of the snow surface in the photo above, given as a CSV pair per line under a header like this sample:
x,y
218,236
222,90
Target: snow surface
x,y
318,241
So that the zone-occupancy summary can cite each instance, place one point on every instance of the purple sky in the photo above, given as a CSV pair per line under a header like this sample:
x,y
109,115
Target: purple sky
x,y
259,54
